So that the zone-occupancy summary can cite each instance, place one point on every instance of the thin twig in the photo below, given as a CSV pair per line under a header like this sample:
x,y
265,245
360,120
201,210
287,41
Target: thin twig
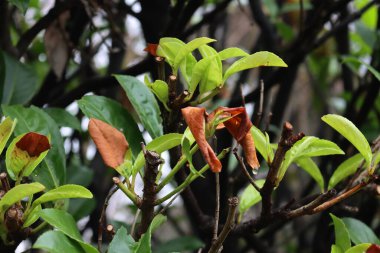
x,y
217,197
245,171
259,113
163,210
102,217
4,182
134,222
160,67
228,226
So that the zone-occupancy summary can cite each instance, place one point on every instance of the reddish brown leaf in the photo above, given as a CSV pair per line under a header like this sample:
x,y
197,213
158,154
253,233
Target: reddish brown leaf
x,y
33,143
110,142
250,150
239,124
195,119
152,49
373,249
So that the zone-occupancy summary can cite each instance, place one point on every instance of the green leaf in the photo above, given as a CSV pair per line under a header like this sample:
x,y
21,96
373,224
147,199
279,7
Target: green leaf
x,y
158,145
20,80
250,196
160,89
342,238
262,144
350,59
80,208
57,242
308,146
106,109
361,248
360,232
52,170
180,244
336,249
79,173
232,52
209,72
310,167
144,245
63,192
6,130
65,223
258,59
345,169
63,118
168,48
351,133
16,194
122,242
32,217
144,103
187,49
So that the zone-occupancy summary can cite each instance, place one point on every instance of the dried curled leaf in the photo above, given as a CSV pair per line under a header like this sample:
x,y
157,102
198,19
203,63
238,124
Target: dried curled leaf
x,y
33,143
195,119
110,142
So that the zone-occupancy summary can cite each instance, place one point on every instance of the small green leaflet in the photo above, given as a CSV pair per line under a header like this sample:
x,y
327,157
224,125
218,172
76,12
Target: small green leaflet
x,y
231,52
250,197
307,164
342,238
345,169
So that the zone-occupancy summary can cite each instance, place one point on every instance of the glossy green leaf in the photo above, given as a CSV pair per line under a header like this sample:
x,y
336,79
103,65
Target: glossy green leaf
x,y
144,245
52,170
32,216
351,133
160,89
250,196
336,249
308,146
57,242
200,72
65,223
168,48
360,232
6,130
369,67
63,118
370,16
20,81
144,103
63,192
80,208
307,164
258,59
346,169
232,52
210,70
105,109
18,162
360,248
180,244
16,194
187,49
262,144
122,242
78,173
342,237
158,145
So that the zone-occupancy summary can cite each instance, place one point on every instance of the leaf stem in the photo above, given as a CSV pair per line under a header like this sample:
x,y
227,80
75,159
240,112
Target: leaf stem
x,y
176,168
131,195
190,179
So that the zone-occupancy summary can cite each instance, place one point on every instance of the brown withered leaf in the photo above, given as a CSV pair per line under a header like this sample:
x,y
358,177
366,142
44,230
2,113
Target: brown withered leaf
x,y
373,249
239,124
33,143
57,44
151,49
250,150
195,119
110,142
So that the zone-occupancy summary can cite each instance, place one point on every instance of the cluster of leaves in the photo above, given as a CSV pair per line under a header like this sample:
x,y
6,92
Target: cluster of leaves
x,y
349,230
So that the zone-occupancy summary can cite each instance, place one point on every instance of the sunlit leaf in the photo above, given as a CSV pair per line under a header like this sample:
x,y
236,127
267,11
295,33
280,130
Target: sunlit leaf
x,y
110,142
258,59
351,133
361,248
6,130
262,145
345,169
144,103
160,89
187,49
232,52
212,70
